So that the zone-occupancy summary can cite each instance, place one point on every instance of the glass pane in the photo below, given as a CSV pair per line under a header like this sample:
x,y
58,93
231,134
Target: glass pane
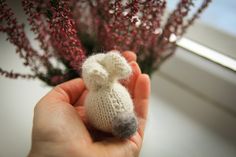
x,y
220,14
216,27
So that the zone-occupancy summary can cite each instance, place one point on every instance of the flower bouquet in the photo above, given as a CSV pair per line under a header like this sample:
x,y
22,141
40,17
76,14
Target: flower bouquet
x,y
69,31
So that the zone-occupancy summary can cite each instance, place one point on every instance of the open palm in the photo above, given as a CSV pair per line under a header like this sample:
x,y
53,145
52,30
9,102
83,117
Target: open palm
x,y
60,127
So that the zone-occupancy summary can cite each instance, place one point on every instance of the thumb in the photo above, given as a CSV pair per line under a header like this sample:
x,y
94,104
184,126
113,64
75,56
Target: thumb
x,y
54,116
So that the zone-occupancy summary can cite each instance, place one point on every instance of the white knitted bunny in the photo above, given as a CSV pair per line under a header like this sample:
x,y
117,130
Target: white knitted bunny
x,y
108,104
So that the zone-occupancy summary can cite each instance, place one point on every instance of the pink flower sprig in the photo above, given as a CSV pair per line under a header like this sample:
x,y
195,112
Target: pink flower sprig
x,y
63,35
39,26
174,23
16,35
196,15
14,75
165,45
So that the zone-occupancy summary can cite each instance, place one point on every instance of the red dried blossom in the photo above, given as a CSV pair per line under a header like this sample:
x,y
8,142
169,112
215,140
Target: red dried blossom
x,y
63,35
15,75
38,25
16,36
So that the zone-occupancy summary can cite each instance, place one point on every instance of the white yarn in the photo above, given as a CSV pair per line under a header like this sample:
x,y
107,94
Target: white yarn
x,y
106,97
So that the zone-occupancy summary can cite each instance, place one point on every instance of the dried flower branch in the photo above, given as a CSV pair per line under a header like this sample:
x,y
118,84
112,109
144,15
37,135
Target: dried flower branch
x,y
63,35
196,15
38,25
11,74
16,36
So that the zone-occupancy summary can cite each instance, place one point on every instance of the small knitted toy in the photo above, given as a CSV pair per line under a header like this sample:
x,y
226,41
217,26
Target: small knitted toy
x,y
108,104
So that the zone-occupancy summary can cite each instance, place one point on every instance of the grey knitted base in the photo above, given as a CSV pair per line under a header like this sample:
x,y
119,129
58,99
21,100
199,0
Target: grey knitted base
x,y
124,125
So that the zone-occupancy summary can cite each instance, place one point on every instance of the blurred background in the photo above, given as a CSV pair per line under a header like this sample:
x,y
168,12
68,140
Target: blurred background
x,y
193,101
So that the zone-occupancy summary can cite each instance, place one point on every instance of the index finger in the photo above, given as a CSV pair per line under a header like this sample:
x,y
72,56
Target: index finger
x,y
129,56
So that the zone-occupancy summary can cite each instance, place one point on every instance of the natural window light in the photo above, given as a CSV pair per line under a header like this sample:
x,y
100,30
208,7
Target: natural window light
x,y
220,14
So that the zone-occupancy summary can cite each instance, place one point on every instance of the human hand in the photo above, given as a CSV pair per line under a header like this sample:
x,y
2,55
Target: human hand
x,y
60,128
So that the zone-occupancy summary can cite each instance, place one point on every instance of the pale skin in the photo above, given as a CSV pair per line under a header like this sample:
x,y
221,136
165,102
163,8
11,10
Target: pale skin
x,y
60,128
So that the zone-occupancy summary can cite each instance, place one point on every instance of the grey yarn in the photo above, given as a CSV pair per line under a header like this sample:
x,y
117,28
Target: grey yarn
x,y
124,125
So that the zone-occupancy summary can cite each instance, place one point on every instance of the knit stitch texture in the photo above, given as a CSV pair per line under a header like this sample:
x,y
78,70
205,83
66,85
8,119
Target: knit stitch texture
x,y
108,104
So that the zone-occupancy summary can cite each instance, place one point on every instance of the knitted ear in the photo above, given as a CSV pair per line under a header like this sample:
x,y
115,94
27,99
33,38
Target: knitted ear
x,y
117,65
97,74
93,73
